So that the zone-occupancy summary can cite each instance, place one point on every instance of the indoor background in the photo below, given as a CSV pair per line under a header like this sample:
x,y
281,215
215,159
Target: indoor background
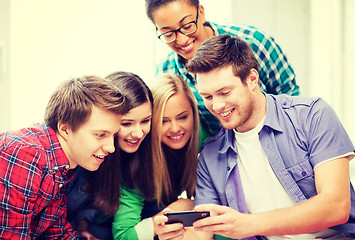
x,y
43,42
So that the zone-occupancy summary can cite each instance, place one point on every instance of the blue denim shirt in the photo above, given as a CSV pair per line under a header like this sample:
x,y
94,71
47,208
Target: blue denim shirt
x,y
298,134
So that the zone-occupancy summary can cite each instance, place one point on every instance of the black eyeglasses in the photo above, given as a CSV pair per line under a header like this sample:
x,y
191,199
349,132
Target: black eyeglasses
x,y
186,29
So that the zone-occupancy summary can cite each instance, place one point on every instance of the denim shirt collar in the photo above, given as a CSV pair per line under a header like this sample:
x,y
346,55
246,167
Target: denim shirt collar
x,y
271,120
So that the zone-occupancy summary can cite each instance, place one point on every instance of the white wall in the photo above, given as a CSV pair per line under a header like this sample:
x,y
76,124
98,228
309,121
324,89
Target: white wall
x,y
53,40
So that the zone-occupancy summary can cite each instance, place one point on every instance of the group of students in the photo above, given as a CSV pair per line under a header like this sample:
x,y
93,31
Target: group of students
x,y
156,148
114,154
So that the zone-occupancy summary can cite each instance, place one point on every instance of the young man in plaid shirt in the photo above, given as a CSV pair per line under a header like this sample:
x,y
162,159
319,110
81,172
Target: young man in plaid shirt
x,y
37,163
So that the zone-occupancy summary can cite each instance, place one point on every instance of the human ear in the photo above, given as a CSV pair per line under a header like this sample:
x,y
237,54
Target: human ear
x,y
202,16
63,130
253,79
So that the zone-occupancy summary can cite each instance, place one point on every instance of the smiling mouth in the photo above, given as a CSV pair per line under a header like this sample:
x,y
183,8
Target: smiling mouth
x,y
132,141
176,138
225,114
99,158
188,47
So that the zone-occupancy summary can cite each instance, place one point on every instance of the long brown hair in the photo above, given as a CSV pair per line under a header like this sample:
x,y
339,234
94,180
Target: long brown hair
x,y
120,168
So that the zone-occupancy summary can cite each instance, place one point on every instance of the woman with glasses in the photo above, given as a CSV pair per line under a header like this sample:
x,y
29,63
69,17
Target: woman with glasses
x,y
181,24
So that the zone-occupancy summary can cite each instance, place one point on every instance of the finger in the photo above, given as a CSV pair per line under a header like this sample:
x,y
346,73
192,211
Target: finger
x,y
160,220
212,208
165,210
172,231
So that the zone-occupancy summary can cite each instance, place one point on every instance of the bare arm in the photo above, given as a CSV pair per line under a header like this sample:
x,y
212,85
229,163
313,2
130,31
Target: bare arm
x,y
331,206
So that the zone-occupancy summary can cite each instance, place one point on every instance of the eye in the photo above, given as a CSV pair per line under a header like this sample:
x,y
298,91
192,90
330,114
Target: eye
x,y
168,34
146,121
187,26
183,117
225,93
100,135
207,97
126,124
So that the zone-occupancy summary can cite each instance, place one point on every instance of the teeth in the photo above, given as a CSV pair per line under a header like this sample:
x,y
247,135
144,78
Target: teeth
x,y
176,137
132,141
225,113
101,157
187,47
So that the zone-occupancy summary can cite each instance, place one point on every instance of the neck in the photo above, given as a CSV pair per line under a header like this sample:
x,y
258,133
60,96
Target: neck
x,y
258,113
65,148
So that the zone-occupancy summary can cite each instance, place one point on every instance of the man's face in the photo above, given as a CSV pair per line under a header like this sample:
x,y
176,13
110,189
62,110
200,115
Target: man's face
x,y
227,98
92,141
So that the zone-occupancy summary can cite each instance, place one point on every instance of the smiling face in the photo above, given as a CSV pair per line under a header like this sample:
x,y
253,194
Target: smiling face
x,y
178,121
92,141
174,15
135,126
231,101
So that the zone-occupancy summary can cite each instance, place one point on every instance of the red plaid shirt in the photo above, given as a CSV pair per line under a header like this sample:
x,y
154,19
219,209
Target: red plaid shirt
x,y
34,176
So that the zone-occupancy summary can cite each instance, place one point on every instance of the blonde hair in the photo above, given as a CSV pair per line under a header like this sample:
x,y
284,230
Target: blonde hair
x,y
163,87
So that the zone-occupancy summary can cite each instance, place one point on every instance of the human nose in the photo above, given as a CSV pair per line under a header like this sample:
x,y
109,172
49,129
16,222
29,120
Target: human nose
x,y
218,104
137,131
174,127
181,38
109,145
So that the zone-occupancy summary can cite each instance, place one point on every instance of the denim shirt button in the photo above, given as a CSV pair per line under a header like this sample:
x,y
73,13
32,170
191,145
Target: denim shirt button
x,y
284,103
228,168
304,173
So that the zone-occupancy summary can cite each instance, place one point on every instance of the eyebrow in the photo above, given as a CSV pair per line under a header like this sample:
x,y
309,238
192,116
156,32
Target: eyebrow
x,y
132,120
219,90
190,15
182,113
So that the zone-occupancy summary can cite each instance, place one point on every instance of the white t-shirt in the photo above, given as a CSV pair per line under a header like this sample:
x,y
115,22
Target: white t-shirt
x,y
262,189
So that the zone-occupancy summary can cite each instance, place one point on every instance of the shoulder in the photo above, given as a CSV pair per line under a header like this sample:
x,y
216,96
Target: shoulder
x,y
167,63
245,32
298,111
300,104
26,147
214,144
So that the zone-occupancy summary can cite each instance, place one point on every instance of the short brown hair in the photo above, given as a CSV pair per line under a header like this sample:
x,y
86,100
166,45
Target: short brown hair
x,y
222,51
72,102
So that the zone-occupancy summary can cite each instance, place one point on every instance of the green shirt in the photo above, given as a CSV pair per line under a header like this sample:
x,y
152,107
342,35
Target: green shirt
x,y
128,214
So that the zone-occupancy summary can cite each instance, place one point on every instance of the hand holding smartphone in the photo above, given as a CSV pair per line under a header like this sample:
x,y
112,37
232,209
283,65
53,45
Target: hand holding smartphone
x,y
187,218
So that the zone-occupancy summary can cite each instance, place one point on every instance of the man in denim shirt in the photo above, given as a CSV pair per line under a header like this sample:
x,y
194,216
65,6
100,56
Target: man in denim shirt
x,y
280,165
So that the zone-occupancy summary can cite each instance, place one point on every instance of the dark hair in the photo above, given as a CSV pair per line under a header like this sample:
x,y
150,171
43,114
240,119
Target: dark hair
x,y
152,5
222,51
72,102
135,170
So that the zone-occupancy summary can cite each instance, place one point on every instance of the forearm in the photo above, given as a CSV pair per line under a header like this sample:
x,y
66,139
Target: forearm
x,y
331,206
313,215
182,205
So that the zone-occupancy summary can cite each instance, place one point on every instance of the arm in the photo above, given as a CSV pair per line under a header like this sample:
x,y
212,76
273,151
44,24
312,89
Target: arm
x,y
331,206
128,215
16,206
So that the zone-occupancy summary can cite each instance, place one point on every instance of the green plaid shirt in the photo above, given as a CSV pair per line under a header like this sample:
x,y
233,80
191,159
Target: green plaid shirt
x,y
276,74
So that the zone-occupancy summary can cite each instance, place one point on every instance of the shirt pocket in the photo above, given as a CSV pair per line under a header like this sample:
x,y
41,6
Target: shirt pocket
x,y
303,175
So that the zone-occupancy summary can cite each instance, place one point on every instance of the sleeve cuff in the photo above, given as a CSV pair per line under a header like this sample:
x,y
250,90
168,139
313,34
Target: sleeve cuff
x,y
145,229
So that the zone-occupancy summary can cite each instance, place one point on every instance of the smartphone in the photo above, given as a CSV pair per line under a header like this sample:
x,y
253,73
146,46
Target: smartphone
x,y
185,217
